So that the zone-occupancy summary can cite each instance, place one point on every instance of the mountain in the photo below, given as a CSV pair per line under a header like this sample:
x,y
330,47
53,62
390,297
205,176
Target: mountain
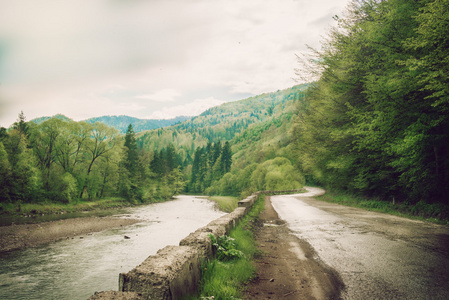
x,y
121,123
224,122
258,131
43,119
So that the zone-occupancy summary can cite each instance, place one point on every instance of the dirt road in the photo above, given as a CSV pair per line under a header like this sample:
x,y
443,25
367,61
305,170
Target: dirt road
x,y
288,268
364,255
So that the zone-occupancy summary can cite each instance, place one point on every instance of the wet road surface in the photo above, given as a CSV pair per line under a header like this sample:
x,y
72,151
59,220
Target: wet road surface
x,y
377,256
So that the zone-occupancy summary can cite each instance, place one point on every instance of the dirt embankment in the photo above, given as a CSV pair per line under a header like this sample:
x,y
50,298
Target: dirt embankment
x,y
288,268
28,235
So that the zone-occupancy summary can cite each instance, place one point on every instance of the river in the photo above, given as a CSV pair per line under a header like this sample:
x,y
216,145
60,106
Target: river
x,y
76,268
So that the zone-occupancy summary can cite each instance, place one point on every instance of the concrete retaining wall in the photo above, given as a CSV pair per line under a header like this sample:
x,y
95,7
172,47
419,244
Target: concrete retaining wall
x,y
174,271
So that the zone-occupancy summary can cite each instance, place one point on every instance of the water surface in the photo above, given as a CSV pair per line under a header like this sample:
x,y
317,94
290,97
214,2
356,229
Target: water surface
x,y
76,268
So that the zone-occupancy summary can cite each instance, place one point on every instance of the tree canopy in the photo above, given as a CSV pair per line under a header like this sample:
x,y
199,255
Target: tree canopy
x,y
376,121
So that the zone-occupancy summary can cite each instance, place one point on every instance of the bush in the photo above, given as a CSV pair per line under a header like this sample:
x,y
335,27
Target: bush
x,y
225,248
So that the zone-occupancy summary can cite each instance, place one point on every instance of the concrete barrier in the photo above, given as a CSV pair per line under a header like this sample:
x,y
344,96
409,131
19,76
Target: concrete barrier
x,y
170,274
174,272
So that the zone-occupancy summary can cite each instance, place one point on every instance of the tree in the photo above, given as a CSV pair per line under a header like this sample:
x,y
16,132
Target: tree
x,y
5,175
131,151
376,120
44,140
25,176
103,140
226,158
21,124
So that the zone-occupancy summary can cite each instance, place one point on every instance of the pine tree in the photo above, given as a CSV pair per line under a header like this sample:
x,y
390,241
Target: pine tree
x,y
131,150
226,158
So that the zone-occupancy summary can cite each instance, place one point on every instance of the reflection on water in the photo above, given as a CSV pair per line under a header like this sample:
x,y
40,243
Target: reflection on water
x,y
76,268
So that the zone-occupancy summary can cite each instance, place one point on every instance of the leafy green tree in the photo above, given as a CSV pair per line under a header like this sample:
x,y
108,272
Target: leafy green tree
x,y
44,140
5,175
176,180
103,140
375,122
25,181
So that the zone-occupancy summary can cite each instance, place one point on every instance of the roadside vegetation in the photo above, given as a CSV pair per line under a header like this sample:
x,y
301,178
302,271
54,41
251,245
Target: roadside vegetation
x,y
435,212
375,122
225,203
225,276
371,119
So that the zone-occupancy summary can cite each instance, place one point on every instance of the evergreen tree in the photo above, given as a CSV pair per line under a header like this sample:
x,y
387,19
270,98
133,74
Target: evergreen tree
x,y
21,124
157,164
226,158
131,162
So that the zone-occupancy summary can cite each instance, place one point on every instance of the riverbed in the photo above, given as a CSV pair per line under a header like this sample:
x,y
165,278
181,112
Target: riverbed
x,y
76,267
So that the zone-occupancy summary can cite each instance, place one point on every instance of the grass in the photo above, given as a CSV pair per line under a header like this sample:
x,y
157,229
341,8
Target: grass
x,y
55,208
226,279
225,203
436,212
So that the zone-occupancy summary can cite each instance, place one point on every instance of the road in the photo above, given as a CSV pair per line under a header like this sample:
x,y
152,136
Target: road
x,y
376,256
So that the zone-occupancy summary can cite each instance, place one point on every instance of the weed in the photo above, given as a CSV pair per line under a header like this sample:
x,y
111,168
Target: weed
x,y
225,248
226,204
223,277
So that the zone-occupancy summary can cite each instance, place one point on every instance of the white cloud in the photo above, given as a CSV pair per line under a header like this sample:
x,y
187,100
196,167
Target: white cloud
x,y
165,95
190,109
90,58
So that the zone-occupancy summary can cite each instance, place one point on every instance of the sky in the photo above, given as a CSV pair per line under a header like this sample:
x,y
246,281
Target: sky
x,y
150,59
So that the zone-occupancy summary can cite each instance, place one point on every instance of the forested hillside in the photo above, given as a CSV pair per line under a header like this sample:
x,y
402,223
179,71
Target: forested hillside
x,y
221,123
374,122
377,120
216,146
121,123
63,161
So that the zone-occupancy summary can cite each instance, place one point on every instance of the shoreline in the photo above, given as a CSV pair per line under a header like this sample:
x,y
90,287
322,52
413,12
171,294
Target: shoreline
x,y
15,237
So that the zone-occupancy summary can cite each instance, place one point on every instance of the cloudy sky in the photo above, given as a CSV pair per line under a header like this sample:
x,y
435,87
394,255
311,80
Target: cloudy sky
x,y
150,58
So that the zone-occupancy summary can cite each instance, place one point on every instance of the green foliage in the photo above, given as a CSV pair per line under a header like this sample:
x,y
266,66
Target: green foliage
x,y
5,175
224,279
435,212
62,161
209,165
225,248
121,123
225,203
221,123
376,121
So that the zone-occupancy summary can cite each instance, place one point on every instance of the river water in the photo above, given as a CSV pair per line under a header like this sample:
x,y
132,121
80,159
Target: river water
x,y
76,268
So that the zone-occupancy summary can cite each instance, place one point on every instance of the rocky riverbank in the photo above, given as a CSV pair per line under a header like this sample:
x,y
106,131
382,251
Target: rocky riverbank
x,y
29,235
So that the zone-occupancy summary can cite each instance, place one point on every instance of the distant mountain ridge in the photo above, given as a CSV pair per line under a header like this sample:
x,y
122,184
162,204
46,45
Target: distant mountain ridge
x,y
122,122
223,122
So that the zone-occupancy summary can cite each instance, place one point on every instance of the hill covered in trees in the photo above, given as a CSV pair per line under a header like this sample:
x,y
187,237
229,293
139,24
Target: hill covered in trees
x,y
121,122
62,160
375,122
221,123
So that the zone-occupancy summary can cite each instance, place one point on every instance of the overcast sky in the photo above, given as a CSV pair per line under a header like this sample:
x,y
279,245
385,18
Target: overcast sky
x,y
150,58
